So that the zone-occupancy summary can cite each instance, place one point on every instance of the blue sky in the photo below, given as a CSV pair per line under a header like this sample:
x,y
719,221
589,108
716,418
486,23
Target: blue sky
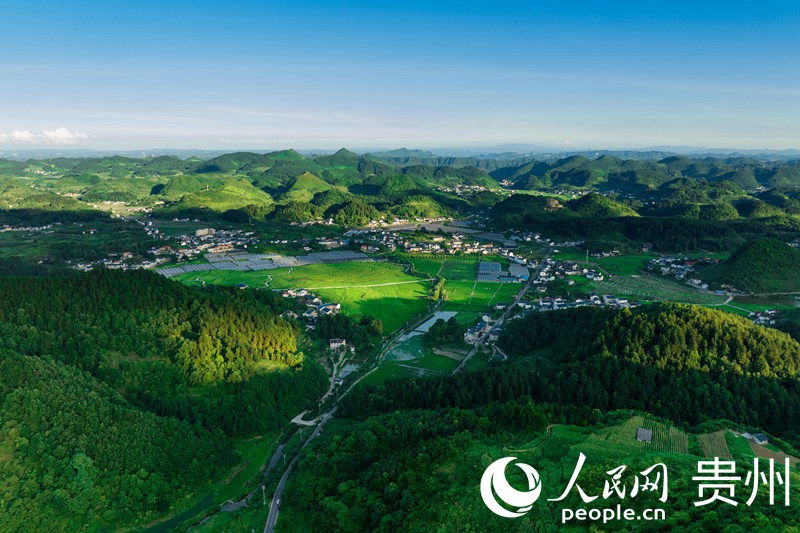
x,y
264,75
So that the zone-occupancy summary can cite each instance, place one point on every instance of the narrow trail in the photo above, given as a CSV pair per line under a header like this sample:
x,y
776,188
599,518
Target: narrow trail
x,y
367,286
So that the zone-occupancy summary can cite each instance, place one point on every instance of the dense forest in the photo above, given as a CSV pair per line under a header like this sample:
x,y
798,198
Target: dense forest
x,y
685,363
412,454
420,469
179,351
124,386
759,266
74,452
381,475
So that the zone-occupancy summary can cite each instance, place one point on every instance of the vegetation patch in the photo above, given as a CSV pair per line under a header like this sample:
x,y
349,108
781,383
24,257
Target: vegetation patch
x,y
714,445
656,289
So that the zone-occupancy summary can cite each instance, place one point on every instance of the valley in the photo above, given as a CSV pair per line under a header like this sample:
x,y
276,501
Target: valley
x,y
345,291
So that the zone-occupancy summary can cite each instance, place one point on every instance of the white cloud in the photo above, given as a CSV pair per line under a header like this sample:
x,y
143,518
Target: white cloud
x,y
56,136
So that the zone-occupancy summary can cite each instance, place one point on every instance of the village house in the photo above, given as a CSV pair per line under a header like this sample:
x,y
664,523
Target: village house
x,y
337,344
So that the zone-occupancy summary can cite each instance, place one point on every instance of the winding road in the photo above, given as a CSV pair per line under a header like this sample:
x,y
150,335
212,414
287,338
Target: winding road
x,y
274,504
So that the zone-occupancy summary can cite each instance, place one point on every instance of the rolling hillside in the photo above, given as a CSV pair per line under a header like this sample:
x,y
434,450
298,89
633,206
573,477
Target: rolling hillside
x,y
764,265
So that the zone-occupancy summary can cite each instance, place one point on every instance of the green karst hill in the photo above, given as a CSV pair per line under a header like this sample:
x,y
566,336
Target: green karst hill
x,y
305,186
597,205
763,265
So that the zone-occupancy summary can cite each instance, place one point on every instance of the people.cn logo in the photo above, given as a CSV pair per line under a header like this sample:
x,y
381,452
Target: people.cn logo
x,y
494,482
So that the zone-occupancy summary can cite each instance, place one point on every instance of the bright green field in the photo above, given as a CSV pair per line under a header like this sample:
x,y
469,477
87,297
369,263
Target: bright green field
x,y
474,296
624,265
450,269
460,269
427,267
745,309
394,304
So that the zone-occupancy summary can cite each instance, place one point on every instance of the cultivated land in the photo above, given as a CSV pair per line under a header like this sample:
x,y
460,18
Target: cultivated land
x,y
659,289
74,240
382,290
461,269
477,296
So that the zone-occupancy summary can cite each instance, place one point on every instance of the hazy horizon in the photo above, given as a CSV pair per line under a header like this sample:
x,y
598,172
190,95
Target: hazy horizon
x,y
444,151
255,75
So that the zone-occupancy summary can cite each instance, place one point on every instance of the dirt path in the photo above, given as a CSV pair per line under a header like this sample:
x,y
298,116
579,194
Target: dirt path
x,y
366,286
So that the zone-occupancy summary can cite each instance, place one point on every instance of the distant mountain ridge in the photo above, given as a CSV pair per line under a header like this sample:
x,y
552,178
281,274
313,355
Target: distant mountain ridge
x,y
504,151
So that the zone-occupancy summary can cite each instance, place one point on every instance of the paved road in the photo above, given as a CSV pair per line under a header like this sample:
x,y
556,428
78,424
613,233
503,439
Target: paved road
x,y
233,506
274,508
299,420
502,318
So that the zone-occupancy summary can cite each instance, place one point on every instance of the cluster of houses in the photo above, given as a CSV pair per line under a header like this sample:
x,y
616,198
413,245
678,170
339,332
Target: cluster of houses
x,y
552,270
327,243
396,220
455,244
33,229
451,244
120,261
315,307
764,318
463,190
551,303
214,241
485,325
191,245
681,268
